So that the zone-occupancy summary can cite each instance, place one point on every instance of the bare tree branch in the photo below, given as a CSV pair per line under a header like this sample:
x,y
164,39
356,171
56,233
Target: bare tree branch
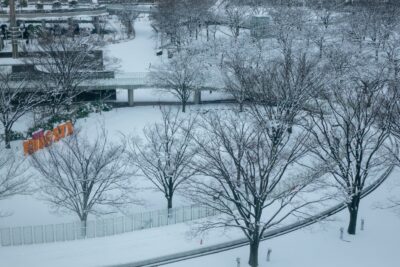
x,y
84,177
166,156
251,177
15,102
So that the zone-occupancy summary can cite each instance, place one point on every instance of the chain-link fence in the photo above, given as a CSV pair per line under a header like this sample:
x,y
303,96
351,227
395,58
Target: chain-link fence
x,y
25,235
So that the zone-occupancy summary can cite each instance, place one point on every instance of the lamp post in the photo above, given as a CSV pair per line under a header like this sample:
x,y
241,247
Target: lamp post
x,y
13,29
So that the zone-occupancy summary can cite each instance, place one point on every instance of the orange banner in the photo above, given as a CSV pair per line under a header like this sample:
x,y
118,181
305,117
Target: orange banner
x,y
41,139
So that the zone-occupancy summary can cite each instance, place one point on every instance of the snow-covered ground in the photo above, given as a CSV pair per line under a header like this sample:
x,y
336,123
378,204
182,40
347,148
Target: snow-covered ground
x,y
134,55
138,54
120,122
29,210
315,246
319,245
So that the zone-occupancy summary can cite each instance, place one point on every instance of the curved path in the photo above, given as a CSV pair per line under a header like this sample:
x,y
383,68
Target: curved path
x,y
244,242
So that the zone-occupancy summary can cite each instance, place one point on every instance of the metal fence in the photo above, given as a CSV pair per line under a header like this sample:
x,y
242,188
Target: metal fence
x,y
26,235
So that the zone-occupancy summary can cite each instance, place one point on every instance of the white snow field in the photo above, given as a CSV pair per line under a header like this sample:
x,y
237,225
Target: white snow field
x,y
320,246
138,54
29,210
135,55
315,246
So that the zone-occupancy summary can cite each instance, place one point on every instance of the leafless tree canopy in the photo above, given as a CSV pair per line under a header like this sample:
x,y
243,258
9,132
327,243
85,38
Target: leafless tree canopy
x,y
181,20
250,176
350,129
284,89
181,76
166,155
62,64
15,101
241,70
236,17
84,176
317,84
128,19
13,176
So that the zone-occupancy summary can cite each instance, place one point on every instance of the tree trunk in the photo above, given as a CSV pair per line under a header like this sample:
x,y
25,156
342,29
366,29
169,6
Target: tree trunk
x,y
53,107
253,259
183,106
169,200
7,138
321,49
353,210
83,226
170,195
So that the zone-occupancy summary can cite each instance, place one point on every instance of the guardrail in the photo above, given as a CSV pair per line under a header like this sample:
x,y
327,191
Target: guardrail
x,y
39,234
134,80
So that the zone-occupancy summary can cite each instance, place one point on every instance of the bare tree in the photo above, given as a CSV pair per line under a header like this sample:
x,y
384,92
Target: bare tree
x,y
63,64
236,18
194,15
320,30
169,20
180,20
392,60
16,100
356,28
102,26
288,22
13,176
350,128
240,70
392,157
166,156
252,175
288,84
181,76
382,22
83,177
128,19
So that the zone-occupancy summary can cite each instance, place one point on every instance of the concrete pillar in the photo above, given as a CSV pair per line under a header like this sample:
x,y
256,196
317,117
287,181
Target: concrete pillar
x,y
197,97
96,24
130,97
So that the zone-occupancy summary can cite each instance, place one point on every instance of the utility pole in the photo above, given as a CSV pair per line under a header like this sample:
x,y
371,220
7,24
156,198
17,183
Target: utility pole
x,y
13,29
